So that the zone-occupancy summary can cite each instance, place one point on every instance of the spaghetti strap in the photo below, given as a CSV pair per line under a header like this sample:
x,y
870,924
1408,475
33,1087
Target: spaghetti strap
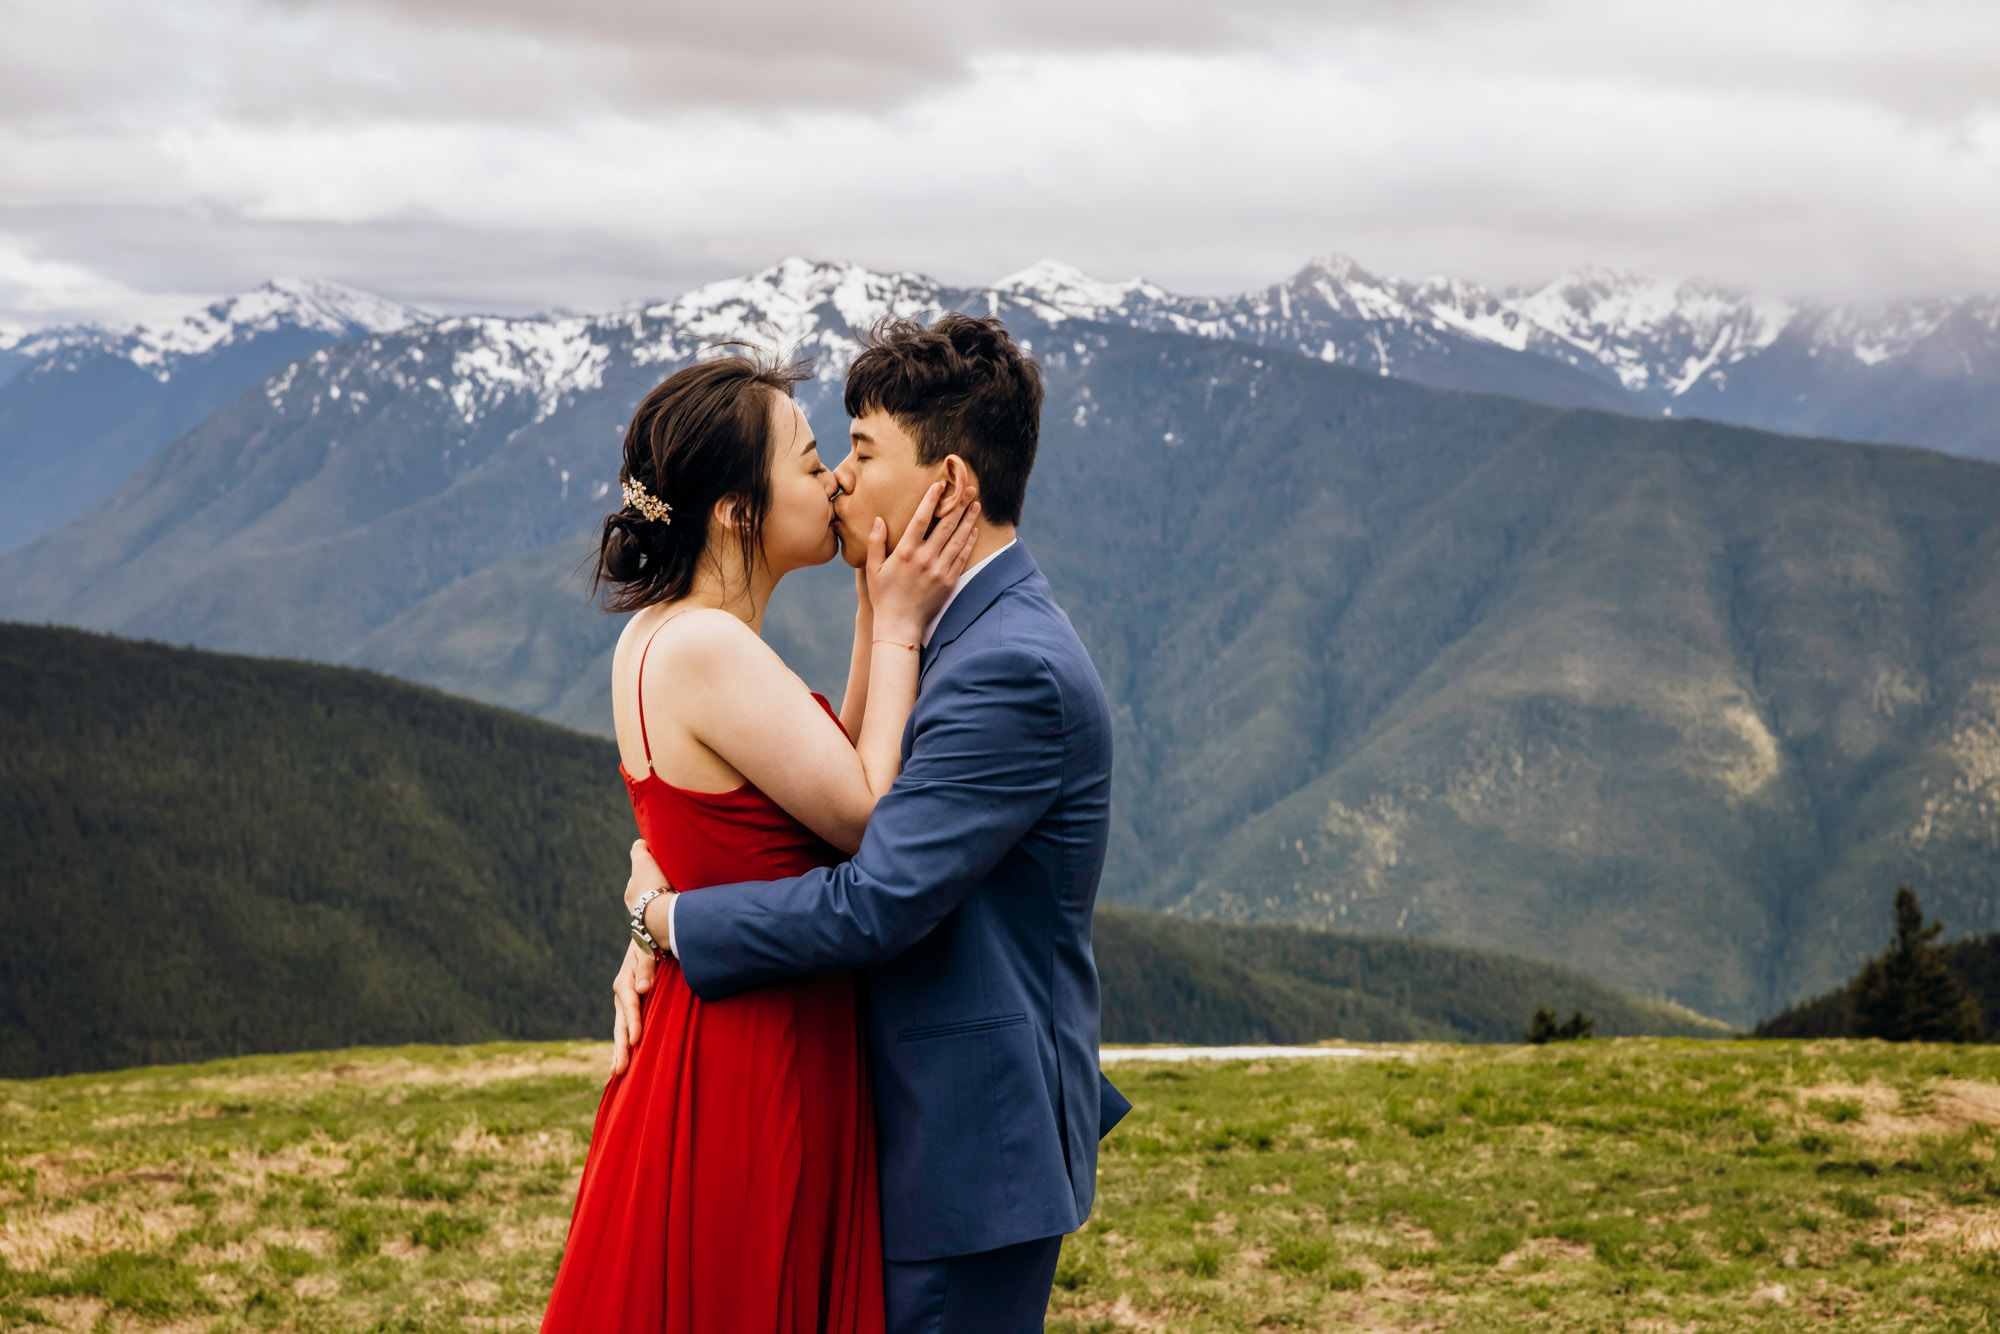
x,y
640,690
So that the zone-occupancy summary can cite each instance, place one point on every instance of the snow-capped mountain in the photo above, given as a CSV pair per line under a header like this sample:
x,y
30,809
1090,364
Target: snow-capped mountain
x,y
21,347
1912,372
82,407
300,304
482,366
1657,336
85,406
521,416
282,305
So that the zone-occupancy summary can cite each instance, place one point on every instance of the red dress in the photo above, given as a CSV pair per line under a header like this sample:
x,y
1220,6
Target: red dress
x,y
730,1186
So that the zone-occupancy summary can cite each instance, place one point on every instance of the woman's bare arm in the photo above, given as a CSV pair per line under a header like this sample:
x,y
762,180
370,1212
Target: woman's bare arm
x,y
737,697
906,590
854,704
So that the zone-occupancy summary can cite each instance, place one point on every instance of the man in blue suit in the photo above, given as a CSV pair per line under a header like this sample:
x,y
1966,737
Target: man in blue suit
x,y
969,902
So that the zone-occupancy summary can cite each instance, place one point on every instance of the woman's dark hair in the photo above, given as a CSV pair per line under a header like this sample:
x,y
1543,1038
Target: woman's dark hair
x,y
702,435
961,386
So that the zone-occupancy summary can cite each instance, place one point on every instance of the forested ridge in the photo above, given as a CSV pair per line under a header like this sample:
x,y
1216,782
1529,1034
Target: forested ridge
x,y
207,854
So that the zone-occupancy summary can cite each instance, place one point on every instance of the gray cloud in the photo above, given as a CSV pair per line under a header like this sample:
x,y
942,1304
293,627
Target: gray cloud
x,y
519,155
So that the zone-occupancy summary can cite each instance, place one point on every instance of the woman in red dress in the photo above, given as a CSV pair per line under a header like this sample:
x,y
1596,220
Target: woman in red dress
x,y
730,1184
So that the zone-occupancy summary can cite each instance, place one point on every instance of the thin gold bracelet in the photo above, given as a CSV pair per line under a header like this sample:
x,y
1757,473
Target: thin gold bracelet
x,y
899,644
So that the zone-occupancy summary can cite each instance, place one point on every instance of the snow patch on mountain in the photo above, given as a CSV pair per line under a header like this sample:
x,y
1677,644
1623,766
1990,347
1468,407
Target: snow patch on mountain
x,y
1885,333
301,303
546,360
795,306
159,349
39,344
1066,292
1653,332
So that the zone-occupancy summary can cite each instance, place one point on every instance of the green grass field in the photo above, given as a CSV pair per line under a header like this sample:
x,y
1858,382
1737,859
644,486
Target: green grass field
x,y
1637,1184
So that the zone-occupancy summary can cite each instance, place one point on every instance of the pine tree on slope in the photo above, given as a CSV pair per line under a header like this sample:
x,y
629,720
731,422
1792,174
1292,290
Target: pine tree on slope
x,y
1908,993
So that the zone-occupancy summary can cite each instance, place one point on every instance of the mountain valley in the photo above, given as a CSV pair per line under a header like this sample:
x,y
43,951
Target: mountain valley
x,y
1669,702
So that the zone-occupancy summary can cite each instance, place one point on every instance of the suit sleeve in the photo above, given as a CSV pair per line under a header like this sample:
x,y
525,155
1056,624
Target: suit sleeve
x,y
985,763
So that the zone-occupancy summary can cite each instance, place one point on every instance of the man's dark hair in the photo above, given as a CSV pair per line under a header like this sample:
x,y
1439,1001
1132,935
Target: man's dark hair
x,y
960,386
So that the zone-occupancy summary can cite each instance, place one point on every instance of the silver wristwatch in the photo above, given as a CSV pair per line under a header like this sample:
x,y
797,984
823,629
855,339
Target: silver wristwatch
x,y
638,923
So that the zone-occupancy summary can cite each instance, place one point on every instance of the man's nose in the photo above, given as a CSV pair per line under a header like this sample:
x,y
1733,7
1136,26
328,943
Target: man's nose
x,y
843,477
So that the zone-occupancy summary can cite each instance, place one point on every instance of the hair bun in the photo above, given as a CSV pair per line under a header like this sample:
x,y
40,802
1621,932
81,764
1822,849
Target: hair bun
x,y
622,554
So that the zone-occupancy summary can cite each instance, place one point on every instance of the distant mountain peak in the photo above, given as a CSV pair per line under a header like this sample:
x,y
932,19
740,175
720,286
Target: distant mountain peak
x,y
813,306
305,303
317,302
1655,332
1068,290
1339,267
311,305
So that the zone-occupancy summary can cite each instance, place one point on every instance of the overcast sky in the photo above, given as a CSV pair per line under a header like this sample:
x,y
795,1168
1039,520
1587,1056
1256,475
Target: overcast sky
x,y
530,154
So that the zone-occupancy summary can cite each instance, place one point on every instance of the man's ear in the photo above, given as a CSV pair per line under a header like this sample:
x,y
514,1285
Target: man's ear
x,y
961,483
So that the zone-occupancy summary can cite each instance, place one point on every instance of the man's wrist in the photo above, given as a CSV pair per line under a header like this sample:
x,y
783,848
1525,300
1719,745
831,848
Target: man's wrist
x,y
660,920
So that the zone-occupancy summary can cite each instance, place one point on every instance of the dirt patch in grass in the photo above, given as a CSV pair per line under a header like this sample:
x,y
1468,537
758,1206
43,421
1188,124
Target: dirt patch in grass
x,y
1552,1250
540,1233
316,1287
1416,1238
1980,1236
71,1313
1963,1103
34,1236
1876,1113
1970,1231
591,1059
1120,1314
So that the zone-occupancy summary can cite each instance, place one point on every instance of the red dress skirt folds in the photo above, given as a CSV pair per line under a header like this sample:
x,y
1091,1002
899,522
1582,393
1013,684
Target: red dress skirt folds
x,y
730,1186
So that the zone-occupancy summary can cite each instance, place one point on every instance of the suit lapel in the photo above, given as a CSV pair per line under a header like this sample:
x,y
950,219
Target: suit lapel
x,y
1010,567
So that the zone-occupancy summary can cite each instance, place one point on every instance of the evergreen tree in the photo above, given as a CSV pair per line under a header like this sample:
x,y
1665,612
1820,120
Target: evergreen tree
x,y
1908,993
1544,1028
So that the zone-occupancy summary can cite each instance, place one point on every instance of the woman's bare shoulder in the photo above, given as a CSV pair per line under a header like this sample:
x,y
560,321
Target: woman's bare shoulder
x,y
708,639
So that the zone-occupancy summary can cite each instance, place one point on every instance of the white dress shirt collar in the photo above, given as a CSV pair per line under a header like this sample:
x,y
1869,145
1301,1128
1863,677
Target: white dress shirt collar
x,y
958,588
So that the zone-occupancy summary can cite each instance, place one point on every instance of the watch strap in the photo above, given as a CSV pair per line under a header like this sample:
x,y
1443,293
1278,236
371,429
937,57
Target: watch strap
x,y
637,924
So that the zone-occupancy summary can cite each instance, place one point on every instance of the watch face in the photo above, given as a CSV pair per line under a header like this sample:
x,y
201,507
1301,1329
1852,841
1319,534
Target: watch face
x,y
640,940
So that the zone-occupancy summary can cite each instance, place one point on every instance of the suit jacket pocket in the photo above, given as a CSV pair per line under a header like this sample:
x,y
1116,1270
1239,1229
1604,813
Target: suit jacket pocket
x,y
975,1161
966,1026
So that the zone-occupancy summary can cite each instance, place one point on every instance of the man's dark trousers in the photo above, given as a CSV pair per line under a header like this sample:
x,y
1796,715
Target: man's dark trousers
x,y
990,1292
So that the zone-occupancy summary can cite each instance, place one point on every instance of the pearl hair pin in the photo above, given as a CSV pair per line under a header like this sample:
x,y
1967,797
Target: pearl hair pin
x,y
638,498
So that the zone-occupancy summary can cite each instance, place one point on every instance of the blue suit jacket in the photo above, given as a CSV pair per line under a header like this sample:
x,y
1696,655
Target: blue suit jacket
x,y
969,904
